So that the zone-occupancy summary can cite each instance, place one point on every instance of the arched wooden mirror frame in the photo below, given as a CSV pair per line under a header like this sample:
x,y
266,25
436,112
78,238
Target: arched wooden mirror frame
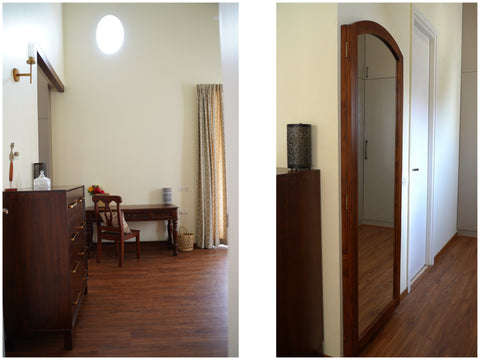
x,y
353,341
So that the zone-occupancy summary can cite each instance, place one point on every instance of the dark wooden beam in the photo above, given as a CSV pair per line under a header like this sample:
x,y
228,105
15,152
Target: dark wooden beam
x,y
49,71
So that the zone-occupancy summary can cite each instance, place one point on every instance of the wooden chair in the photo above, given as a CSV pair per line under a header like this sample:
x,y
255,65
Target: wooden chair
x,y
111,226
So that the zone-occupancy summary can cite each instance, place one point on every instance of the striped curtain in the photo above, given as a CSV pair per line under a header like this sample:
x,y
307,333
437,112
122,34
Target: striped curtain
x,y
211,227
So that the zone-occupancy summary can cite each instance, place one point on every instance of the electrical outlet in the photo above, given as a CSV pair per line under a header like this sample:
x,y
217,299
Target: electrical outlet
x,y
183,188
183,212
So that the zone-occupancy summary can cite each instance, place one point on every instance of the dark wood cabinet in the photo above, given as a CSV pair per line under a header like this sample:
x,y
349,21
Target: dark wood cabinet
x,y
44,261
299,264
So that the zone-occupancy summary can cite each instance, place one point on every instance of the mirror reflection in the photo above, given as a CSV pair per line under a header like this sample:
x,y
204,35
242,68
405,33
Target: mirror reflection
x,y
376,177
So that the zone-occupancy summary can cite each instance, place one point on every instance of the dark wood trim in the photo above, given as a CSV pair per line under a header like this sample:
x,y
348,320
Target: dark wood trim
x,y
353,341
47,68
350,290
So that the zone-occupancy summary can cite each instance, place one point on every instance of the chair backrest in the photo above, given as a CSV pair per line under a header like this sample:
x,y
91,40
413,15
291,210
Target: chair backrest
x,y
108,217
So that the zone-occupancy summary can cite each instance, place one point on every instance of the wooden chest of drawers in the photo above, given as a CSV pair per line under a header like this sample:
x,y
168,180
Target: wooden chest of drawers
x,y
44,261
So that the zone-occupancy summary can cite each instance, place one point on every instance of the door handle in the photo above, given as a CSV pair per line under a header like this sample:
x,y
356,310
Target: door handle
x,y
366,150
5,211
416,169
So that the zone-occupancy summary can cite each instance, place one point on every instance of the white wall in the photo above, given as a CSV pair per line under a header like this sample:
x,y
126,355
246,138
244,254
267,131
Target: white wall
x,y
467,180
228,19
447,19
23,23
128,121
307,87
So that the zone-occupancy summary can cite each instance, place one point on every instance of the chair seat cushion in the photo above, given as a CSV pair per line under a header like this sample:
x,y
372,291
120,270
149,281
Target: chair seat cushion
x,y
126,229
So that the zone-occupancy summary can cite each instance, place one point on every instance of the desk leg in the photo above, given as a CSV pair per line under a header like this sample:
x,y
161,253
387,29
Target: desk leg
x,y
170,237
89,228
175,244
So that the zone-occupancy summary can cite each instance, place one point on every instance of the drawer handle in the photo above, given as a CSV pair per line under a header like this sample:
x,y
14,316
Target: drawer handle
x,y
85,275
81,226
79,201
82,252
76,267
74,237
77,300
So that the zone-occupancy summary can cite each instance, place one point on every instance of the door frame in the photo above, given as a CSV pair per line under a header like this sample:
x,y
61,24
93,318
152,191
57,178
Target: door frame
x,y
420,23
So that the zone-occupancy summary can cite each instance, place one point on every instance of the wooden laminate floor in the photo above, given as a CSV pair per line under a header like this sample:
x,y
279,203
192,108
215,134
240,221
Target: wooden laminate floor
x,y
375,272
439,316
157,306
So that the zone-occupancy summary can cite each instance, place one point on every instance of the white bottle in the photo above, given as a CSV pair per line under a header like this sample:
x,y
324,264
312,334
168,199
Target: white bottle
x,y
42,182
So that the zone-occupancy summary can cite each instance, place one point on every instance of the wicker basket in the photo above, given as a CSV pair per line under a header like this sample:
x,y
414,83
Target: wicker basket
x,y
185,241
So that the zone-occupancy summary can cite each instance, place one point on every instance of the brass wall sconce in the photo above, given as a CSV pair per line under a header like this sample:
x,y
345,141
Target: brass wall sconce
x,y
31,61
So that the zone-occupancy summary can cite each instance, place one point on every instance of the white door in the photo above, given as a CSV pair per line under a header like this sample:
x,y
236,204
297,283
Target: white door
x,y
418,152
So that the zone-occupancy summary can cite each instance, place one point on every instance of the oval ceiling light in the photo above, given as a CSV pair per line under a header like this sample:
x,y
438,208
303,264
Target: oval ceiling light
x,y
109,34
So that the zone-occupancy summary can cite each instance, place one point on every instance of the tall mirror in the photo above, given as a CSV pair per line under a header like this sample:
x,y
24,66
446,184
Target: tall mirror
x,y
372,100
376,177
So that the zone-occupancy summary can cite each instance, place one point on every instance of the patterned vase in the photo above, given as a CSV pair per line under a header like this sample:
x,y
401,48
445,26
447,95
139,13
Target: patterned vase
x,y
299,146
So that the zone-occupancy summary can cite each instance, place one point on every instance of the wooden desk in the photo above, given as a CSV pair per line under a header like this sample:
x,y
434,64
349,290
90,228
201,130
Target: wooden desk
x,y
157,212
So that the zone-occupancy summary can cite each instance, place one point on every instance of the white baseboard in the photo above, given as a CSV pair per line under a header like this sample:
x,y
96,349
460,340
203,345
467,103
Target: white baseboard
x,y
467,233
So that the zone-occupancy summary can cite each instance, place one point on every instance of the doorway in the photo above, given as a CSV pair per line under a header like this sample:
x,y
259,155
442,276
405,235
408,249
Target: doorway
x,y
47,79
44,123
422,125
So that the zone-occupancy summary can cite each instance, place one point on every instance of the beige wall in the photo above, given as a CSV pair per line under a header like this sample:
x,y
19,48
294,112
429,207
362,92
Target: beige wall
x,y
23,23
127,121
308,91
